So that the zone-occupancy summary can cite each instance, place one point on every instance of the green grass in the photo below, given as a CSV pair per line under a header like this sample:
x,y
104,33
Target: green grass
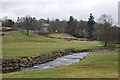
x,y
98,65
19,45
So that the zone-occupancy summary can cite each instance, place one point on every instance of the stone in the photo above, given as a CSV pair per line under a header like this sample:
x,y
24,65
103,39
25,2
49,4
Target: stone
x,y
15,60
16,65
7,61
62,51
30,59
3,61
4,66
38,55
34,57
23,60
10,68
21,64
11,65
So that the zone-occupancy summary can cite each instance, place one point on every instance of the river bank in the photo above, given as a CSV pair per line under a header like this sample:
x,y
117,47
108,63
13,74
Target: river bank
x,y
101,64
13,64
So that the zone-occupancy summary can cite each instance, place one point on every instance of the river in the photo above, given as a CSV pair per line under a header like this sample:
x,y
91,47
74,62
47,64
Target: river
x,y
61,61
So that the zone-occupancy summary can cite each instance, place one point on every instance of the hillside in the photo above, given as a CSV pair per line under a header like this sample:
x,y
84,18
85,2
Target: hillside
x,y
19,44
61,35
22,37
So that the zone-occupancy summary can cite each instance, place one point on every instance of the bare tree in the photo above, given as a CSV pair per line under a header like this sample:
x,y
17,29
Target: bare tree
x,y
34,24
63,25
106,23
26,23
111,36
105,20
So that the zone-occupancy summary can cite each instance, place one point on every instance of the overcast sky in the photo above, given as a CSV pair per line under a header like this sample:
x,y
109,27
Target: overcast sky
x,y
61,9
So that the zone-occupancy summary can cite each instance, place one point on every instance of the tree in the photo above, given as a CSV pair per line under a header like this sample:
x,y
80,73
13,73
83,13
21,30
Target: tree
x,y
26,23
34,24
98,32
63,25
8,23
91,23
118,36
81,29
106,22
71,26
54,26
47,21
111,36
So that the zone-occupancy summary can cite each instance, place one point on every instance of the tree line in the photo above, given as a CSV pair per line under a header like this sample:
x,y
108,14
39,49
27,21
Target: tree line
x,y
101,30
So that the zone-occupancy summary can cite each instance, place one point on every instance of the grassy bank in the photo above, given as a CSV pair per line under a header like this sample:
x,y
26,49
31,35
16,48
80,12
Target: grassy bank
x,y
19,44
98,65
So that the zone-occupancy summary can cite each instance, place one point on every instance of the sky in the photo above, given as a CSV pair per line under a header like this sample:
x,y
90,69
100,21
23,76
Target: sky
x,y
61,9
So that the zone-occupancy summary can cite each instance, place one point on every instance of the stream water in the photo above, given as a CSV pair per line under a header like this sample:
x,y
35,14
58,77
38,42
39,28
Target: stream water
x,y
61,61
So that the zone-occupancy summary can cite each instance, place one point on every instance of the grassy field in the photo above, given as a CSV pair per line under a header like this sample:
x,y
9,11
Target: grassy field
x,y
98,65
19,44
61,35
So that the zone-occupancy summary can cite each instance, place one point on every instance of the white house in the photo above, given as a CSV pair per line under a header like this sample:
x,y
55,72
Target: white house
x,y
45,27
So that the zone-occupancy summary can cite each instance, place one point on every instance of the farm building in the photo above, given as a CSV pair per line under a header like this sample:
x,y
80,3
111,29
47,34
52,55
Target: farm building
x,y
45,27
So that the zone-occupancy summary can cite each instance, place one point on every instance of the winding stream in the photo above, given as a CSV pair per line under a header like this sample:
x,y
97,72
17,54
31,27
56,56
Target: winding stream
x,y
61,61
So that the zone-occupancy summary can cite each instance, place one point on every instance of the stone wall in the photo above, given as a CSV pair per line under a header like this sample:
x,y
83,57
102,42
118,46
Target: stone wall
x,y
13,64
